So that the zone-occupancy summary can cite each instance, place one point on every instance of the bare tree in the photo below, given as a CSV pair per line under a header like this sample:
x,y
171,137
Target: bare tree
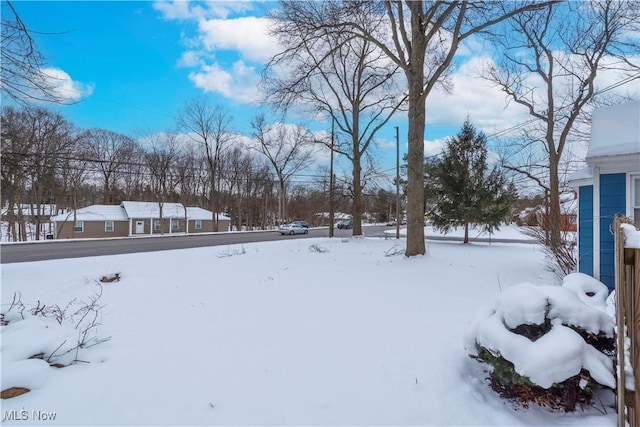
x,y
209,127
550,63
22,78
186,169
16,148
161,159
259,191
347,78
53,139
132,175
73,175
35,144
421,37
110,151
287,148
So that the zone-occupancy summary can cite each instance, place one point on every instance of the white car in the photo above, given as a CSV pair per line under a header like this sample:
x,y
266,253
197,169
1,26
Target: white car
x,y
292,229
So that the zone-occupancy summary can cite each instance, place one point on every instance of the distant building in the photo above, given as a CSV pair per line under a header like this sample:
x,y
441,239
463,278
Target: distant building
x,y
568,213
322,218
536,216
136,219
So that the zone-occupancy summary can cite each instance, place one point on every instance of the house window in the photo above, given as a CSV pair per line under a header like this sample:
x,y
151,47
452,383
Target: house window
x,y
635,200
198,224
156,224
174,224
79,227
108,226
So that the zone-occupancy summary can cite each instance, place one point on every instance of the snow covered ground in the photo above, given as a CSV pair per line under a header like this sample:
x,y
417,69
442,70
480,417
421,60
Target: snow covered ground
x,y
292,332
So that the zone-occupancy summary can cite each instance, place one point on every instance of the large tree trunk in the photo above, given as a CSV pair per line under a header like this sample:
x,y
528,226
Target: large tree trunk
x,y
22,226
357,196
466,232
415,154
553,218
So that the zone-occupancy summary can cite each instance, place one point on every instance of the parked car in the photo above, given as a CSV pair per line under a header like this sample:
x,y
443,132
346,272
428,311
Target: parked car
x,y
292,229
345,224
305,224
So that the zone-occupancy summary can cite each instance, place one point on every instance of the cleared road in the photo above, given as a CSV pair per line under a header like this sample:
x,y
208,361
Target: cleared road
x,y
58,249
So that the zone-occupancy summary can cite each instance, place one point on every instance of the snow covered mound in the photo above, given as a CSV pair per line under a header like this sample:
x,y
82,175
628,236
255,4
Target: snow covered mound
x,y
547,332
37,337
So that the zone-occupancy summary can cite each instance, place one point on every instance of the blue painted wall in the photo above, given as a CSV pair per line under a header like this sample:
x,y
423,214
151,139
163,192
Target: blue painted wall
x,y
585,229
612,202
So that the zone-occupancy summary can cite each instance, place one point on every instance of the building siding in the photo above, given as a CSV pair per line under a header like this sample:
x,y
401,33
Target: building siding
x,y
612,202
92,229
165,226
585,229
208,226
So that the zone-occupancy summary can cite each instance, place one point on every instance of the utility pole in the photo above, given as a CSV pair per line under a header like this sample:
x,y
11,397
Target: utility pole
x,y
397,183
333,121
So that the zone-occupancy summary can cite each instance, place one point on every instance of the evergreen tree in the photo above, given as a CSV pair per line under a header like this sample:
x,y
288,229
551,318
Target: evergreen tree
x,y
462,188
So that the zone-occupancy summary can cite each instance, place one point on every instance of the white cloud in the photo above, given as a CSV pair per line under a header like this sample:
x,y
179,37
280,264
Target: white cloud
x,y
225,51
216,30
489,108
189,10
434,147
246,35
473,46
239,83
223,9
191,59
64,86
176,10
475,98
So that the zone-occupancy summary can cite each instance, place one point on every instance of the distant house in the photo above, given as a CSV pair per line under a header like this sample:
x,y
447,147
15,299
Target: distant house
x,y
610,185
568,213
322,218
136,219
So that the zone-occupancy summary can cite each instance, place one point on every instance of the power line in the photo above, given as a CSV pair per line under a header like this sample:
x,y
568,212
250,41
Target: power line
x,y
298,177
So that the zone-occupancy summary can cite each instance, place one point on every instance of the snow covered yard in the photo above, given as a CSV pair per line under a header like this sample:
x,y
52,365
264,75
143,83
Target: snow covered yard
x,y
293,332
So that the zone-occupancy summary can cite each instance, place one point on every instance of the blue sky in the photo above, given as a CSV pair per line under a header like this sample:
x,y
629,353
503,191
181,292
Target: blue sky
x,y
122,54
132,65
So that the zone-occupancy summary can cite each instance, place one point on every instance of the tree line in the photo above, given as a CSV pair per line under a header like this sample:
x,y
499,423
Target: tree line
x,y
46,160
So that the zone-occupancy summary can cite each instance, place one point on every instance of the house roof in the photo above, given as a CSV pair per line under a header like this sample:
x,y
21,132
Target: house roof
x,y
615,130
199,213
95,213
585,173
152,210
140,210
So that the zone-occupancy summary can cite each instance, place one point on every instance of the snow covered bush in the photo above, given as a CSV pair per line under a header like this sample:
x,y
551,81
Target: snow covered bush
x,y
317,248
552,345
232,251
39,336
